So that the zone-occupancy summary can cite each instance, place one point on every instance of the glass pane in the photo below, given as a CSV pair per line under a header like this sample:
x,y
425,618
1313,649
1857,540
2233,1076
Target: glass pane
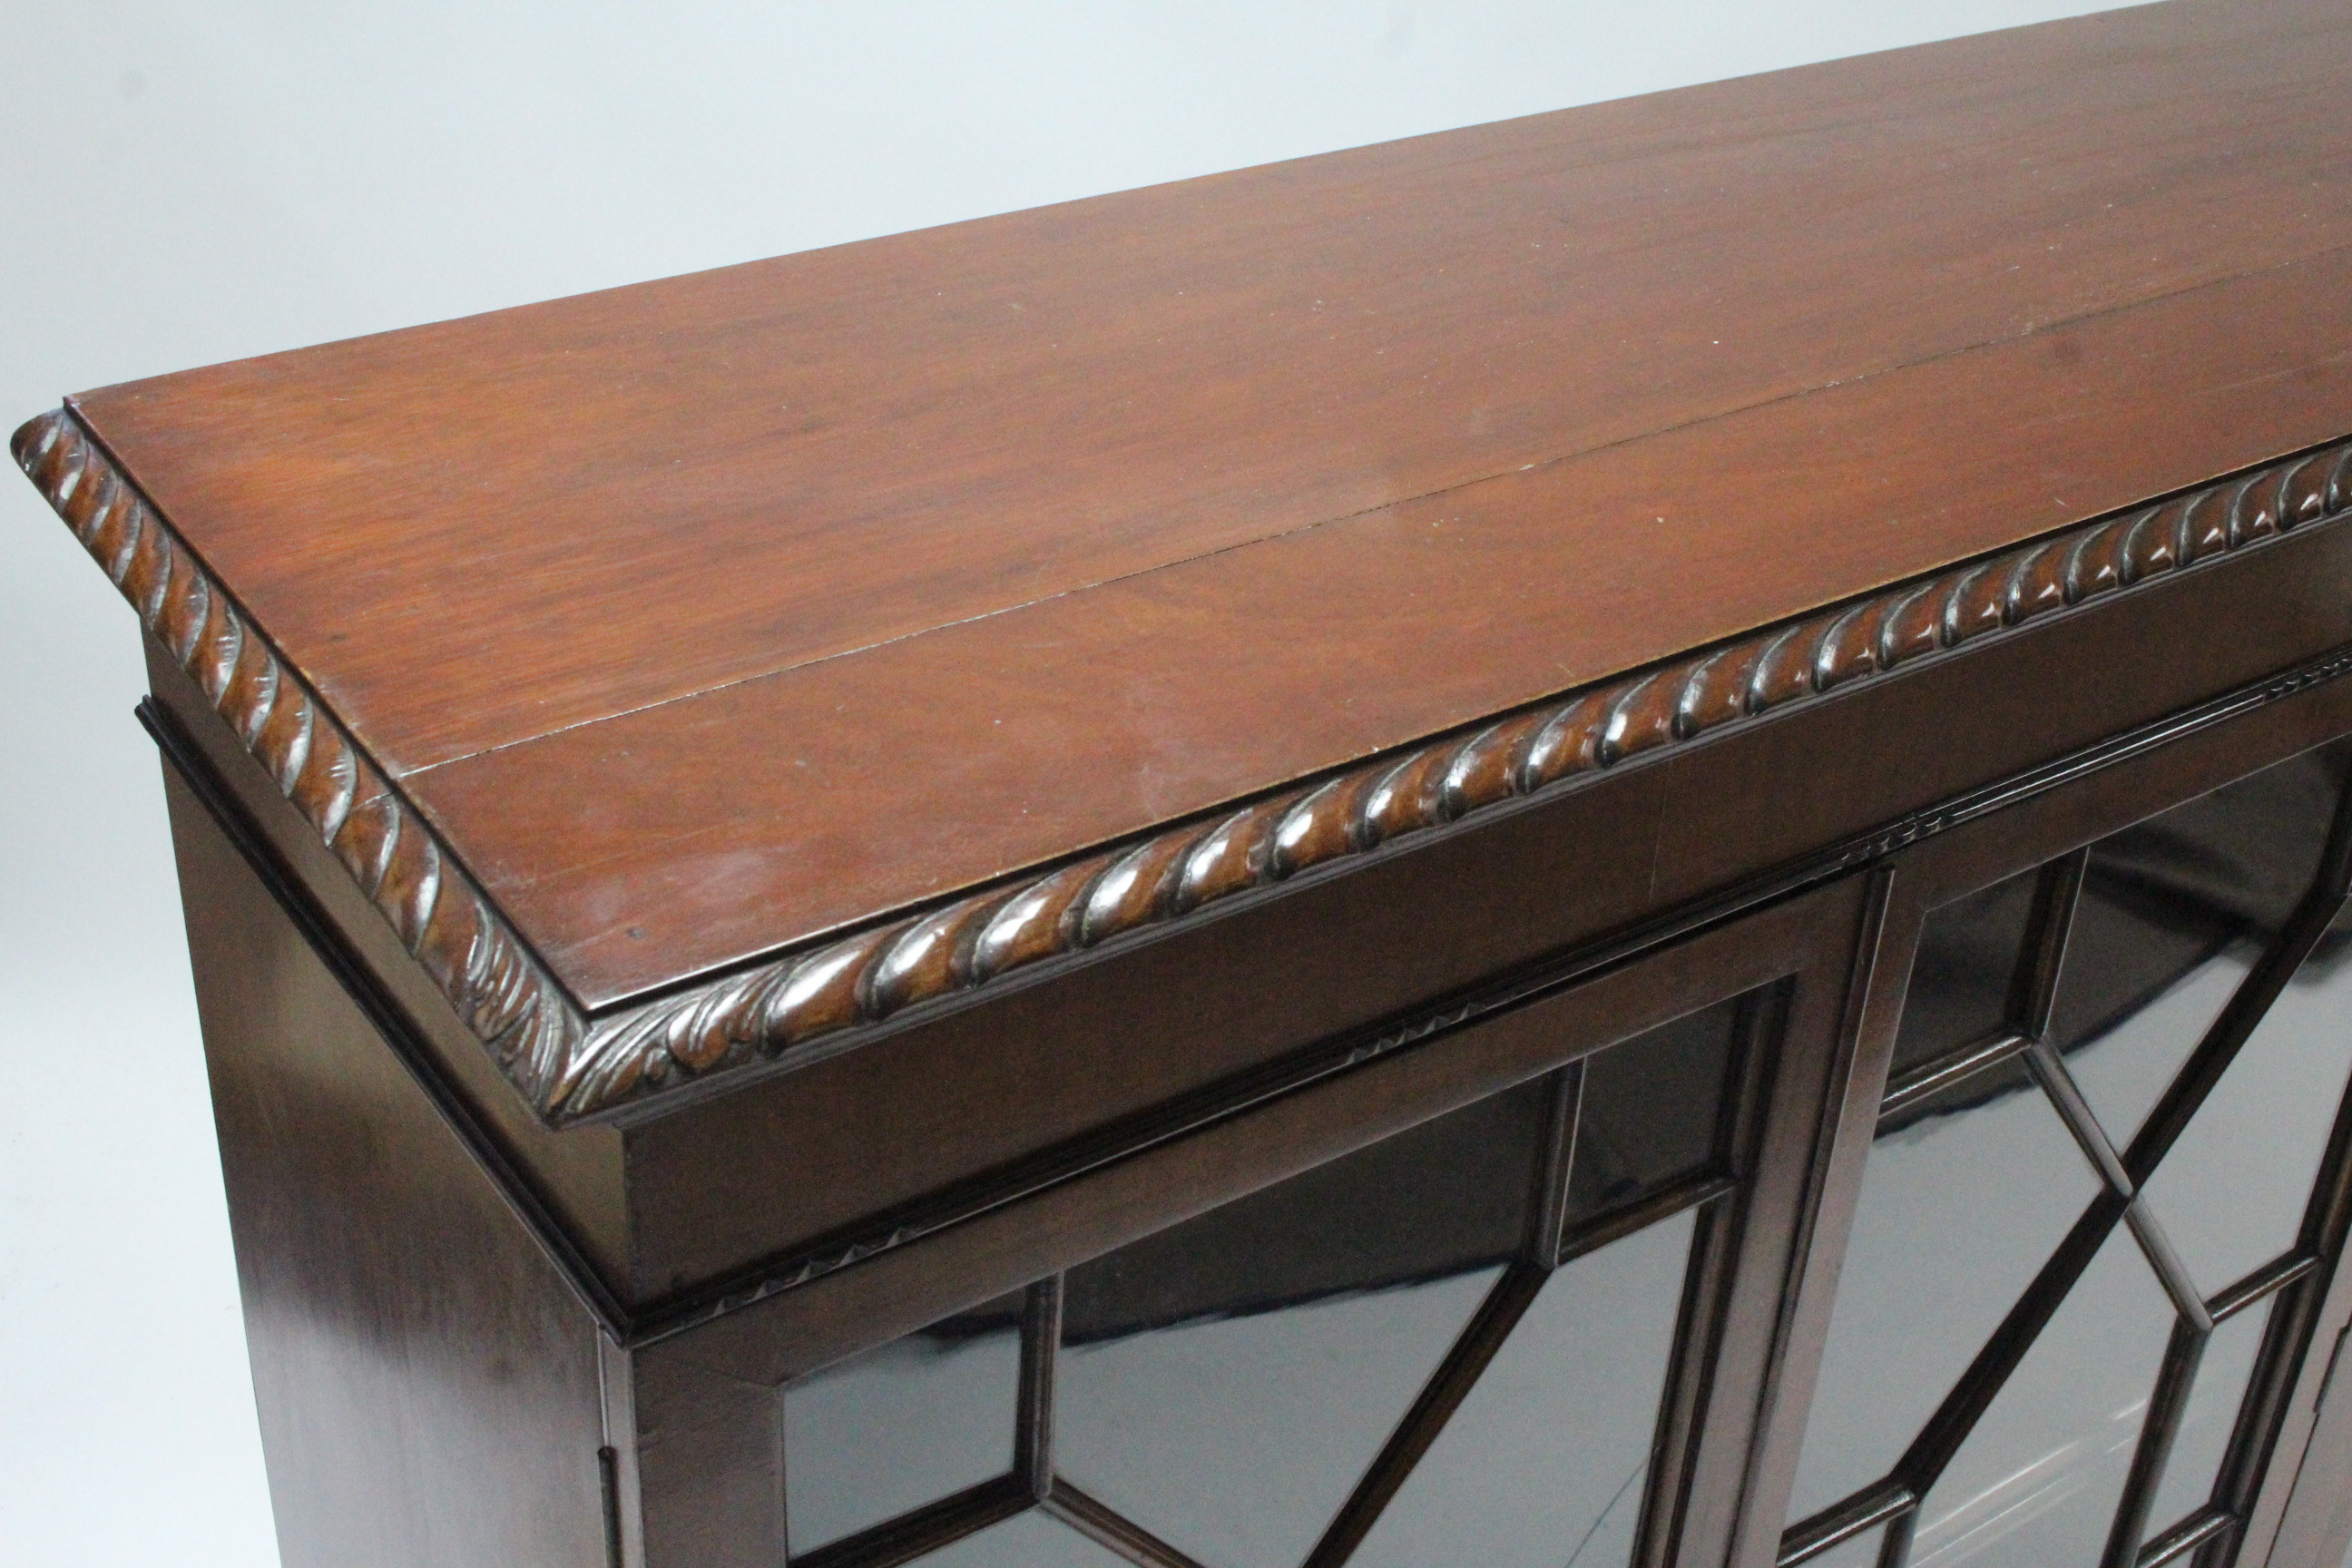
x,y
1447,1196
1958,1212
1225,1383
1651,1111
2233,1192
902,1426
1966,968
2037,1483
1025,1541
1545,1461
2221,1387
2173,911
2124,1066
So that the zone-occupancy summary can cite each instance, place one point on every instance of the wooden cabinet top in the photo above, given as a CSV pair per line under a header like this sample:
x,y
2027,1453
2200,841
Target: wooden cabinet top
x,y
812,639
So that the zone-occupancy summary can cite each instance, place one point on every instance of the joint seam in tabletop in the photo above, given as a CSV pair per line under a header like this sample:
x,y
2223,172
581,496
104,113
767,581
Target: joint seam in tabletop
x,y
1453,487
568,1065
1017,922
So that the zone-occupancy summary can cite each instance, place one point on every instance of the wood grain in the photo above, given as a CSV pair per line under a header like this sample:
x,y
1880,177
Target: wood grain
x,y
693,670
427,1382
1265,842
569,1066
775,812
472,533
498,988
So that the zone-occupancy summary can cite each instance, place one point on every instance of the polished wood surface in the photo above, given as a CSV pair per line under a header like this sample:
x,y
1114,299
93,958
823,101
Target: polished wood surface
x,y
726,820
857,786
805,1162
707,617
429,1387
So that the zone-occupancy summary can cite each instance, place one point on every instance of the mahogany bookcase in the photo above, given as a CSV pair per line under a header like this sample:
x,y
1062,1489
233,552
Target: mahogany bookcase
x,y
1615,839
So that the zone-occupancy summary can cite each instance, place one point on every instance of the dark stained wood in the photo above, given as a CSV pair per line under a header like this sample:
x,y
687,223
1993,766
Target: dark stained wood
x,y
690,482
577,1176
568,1066
1750,1258
1991,849
2289,1469
821,1153
1833,1169
1732,1355
1289,444
786,1335
776,809
428,1386
1221,999
565,675
2303,1517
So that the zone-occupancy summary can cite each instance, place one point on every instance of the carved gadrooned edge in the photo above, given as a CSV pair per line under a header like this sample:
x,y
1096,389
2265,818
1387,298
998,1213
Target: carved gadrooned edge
x,y
570,1068
440,916
868,978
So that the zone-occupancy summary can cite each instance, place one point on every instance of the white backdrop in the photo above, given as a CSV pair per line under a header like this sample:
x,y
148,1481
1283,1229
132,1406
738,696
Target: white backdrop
x,y
193,183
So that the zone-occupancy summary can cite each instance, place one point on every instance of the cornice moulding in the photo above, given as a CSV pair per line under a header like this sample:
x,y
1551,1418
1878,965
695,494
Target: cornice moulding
x,y
568,1065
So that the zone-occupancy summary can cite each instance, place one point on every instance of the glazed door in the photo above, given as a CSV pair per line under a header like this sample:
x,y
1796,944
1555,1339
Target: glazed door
x,y
2107,1190
1983,1211
1512,1287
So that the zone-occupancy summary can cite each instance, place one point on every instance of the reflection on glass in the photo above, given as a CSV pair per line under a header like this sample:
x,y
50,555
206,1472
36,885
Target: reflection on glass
x,y
1025,1541
903,1425
2125,1068
1958,1213
1652,1109
1237,1439
1968,968
1440,1199
2036,1484
2221,1387
1546,1458
2234,1190
2173,911
1225,1383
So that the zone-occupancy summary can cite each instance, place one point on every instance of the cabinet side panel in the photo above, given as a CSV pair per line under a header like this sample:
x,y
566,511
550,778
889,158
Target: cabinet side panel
x,y
576,1173
427,1384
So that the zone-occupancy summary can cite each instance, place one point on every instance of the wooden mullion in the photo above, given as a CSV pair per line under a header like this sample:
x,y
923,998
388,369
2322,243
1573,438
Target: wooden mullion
x,y
1949,1428
1691,1191
1113,1530
1884,945
1894,1552
2246,1486
924,1531
2248,1003
1706,1300
2056,1081
2208,1528
1548,1226
2159,1431
2056,899
1857,1515
1930,1078
1041,1343
2263,1282
1710,1279
1473,1350
1946,1430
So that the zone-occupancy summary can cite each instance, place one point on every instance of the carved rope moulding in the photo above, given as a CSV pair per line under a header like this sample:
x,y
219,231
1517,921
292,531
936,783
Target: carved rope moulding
x,y
569,1066
442,919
